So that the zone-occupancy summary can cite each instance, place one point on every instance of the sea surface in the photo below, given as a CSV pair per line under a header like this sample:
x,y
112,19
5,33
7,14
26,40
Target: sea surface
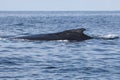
x,y
94,59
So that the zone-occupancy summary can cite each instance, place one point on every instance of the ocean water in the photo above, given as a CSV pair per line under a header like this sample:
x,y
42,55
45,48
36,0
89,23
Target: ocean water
x,y
94,59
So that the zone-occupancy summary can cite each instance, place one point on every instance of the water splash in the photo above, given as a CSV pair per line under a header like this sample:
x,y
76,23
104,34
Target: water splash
x,y
108,36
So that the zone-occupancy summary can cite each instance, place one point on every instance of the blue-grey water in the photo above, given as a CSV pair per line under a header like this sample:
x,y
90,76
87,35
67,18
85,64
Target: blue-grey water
x,y
94,59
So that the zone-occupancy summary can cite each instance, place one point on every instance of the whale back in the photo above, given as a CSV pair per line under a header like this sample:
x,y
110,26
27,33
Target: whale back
x,y
72,31
81,30
74,34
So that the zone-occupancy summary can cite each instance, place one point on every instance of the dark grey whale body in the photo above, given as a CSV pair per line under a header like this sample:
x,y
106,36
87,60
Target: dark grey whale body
x,y
73,34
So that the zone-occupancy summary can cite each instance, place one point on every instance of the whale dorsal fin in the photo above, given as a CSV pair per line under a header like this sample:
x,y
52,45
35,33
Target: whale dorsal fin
x,y
72,31
80,30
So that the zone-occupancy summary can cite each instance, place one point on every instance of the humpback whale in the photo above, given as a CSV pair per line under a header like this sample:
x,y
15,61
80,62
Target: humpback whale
x,y
73,34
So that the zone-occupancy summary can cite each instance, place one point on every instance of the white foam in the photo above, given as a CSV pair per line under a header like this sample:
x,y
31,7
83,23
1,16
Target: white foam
x,y
62,40
110,36
1,39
